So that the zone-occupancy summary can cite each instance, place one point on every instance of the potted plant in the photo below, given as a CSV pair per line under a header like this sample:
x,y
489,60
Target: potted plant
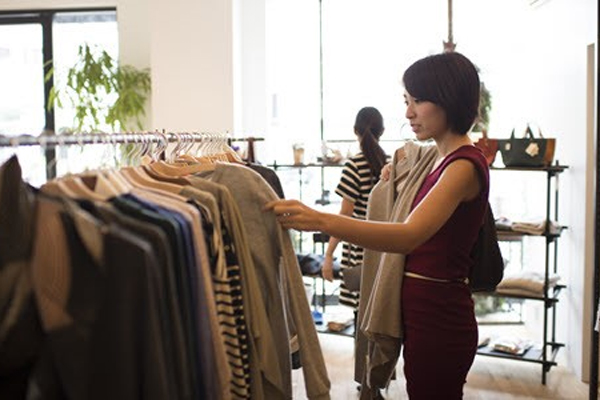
x,y
102,92
485,106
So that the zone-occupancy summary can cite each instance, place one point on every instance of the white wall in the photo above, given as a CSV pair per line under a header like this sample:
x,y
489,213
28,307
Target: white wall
x,y
191,59
133,17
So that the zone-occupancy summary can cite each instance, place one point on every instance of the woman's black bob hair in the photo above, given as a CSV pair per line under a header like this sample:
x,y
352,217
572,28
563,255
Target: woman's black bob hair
x,y
451,81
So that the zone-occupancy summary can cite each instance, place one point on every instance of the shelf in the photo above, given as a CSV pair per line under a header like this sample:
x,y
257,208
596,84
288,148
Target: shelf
x,y
349,331
552,169
310,165
553,298
533,355
513,236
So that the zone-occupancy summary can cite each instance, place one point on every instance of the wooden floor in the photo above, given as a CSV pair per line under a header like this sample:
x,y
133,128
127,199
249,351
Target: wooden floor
x,y
489,378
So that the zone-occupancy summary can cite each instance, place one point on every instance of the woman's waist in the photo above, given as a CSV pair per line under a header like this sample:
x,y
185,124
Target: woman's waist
x,y
451,268
431,278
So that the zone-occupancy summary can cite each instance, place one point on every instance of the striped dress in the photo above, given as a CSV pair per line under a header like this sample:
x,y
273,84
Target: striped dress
x,y
355,186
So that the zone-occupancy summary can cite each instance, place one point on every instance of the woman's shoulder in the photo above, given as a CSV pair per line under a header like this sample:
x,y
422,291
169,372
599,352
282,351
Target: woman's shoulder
x,y
472,153
475,156
358,160
357,157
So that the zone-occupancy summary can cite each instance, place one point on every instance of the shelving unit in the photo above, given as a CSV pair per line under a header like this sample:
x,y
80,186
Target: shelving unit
x,y
544,354
546,349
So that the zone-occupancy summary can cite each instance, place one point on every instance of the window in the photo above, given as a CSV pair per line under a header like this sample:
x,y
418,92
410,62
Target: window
x,y
366,46
71,30
29,42
21,79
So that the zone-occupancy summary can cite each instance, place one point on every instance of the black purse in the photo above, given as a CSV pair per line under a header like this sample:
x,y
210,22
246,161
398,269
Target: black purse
x,y
529,151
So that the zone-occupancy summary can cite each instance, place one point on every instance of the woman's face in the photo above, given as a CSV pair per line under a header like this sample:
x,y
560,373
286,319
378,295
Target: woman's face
x,y
427,120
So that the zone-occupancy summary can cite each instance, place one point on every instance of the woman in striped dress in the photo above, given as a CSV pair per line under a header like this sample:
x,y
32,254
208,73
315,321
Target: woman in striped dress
x,y
359,175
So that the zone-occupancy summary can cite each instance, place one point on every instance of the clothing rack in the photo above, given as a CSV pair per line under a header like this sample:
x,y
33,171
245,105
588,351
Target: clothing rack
x,y
182,272
113,138
247,139
181,140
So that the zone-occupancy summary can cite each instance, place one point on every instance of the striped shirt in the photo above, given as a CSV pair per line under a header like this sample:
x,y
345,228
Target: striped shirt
x,y
355,186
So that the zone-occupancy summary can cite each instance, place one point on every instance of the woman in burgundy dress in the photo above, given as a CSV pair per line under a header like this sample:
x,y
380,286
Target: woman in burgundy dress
x,y
440,331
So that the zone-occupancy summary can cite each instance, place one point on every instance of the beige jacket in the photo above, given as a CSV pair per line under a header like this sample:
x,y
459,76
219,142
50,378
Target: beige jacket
x,y
380,338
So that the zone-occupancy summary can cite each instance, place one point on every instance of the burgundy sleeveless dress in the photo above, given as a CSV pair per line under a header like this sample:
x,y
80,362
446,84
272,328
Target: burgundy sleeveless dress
x,y
440,331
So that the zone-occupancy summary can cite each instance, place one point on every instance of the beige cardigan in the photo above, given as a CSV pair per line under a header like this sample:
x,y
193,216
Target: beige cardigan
x,y
379,339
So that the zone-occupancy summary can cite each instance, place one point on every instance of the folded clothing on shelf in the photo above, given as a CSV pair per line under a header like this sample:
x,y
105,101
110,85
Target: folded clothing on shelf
x,y
536,227
511,345
528,283
338,326
503,224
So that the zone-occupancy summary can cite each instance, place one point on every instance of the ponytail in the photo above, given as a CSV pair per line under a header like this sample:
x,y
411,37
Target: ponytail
x,y
369,128
374,154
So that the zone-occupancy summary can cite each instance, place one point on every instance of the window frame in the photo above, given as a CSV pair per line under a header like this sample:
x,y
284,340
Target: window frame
x,y
45,18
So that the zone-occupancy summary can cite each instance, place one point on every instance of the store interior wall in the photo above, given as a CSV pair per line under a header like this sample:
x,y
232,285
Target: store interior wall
x,y
191,48
192,65
135,35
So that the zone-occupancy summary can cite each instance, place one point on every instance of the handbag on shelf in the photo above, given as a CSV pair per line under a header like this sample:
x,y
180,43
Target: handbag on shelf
x,y
528,151
488,146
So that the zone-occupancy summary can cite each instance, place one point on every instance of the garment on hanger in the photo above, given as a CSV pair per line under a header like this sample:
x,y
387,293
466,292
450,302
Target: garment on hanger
x,y
277,267
21,334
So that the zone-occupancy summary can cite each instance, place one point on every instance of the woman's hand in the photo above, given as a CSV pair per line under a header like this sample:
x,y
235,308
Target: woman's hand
x,y
293,214
327,269
385,172
387,168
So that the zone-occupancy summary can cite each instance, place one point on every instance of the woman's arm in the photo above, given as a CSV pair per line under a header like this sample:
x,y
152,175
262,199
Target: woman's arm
x,y
458,183
347,209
